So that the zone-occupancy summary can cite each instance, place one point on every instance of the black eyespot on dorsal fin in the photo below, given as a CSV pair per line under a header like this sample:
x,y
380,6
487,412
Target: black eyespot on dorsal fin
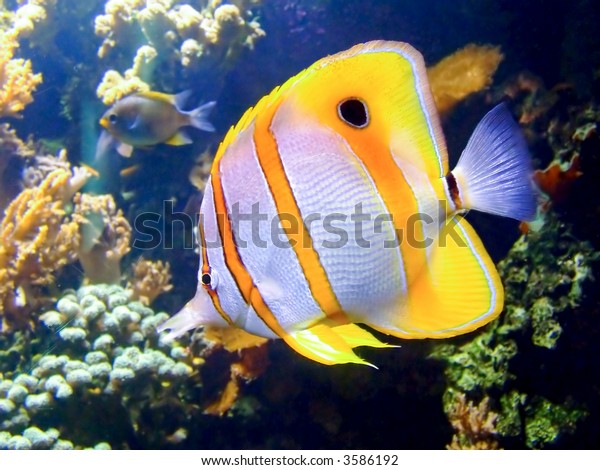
x,y
354,112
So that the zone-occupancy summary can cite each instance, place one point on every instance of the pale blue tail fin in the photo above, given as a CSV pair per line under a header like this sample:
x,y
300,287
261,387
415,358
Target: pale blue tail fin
x,y
494,173
199,117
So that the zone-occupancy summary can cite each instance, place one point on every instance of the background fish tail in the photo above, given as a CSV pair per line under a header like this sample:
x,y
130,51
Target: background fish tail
x,y
199,117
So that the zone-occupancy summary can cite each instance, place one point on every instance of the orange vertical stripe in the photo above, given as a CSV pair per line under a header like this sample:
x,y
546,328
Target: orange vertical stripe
x,y
371,146
234,262
297,233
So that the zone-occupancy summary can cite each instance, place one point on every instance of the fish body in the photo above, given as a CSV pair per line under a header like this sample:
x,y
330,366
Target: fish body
x,y
146,119
346,166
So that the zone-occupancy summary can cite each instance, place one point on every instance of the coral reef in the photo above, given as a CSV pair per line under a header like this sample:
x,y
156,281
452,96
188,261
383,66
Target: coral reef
x,y
544,273
38,239
96,359
150,279
174,31
462,73
105,237
474,425
249,365
557,179
30,14
17,80
49,225
105,353
115,86
248,361
89,371
547,274
11,148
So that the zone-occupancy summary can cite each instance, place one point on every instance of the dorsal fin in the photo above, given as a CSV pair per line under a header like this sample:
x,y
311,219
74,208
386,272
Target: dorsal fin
x,y
275,96
158,96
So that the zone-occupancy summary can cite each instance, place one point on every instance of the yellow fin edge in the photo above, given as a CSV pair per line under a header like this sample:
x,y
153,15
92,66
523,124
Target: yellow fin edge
x,y
331,346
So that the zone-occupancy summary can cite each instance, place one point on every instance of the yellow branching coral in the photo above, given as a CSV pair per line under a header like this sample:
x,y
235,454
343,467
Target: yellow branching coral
x,y
115,86
37,238
11,144
105,237
43,165
180,33
10,147
466,71
115,24
17,80
150,279
220,34
31,13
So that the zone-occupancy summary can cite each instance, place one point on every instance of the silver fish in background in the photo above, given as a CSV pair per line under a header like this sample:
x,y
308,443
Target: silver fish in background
x,y
146,119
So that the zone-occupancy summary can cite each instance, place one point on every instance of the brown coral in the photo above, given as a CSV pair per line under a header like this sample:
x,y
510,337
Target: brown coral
x,y
251,364
232,339
557,179
17,81
37,239
248,360
475,426
150,279
466,71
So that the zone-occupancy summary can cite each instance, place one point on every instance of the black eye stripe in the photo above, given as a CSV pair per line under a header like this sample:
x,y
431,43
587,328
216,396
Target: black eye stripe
x,y
354,112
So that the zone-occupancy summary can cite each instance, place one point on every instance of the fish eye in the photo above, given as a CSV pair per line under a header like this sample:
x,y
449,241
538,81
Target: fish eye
x,y
354,112
209,280
206,279
112,118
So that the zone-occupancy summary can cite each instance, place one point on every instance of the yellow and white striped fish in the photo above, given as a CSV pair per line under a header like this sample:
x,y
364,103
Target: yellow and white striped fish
x,y
354,136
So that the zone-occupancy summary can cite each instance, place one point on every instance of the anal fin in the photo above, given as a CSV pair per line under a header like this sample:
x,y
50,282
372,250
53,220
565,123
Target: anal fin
x,y
180,138
323,344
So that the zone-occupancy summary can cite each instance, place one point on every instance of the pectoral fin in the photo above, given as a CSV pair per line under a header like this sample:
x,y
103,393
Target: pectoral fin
x,y
125,150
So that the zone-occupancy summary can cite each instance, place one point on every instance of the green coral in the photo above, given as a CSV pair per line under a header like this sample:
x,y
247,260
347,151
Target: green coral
x,y
98,351
546,421
509,422
544,274
546,330
481,363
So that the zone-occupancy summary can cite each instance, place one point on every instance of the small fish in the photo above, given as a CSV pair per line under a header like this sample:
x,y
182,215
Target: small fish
x,y
146,119
356,130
